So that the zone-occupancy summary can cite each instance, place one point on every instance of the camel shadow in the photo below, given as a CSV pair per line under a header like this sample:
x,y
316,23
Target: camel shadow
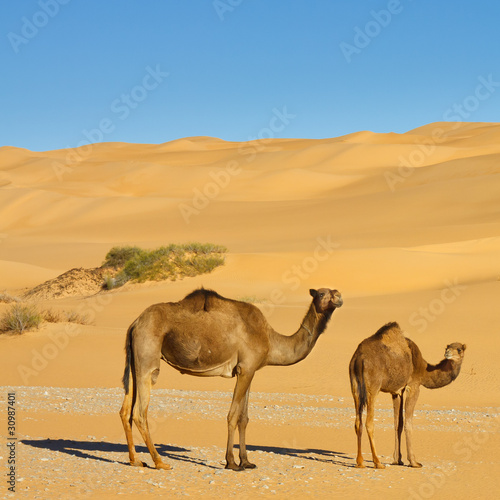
x,y
327,456
90,449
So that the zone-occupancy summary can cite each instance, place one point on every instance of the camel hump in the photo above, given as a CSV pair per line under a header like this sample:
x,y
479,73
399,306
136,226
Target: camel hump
x,y
202,300
392,327
391,336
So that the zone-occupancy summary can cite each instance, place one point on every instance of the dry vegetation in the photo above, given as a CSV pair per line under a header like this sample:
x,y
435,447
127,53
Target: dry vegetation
x,y
7,298
21,317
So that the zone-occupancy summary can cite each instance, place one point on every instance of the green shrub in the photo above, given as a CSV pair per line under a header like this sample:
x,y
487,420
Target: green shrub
x,y
19,318
163,263
118,256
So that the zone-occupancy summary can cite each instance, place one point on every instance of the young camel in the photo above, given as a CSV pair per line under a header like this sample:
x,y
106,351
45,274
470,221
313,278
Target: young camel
x,y
389,362
208,335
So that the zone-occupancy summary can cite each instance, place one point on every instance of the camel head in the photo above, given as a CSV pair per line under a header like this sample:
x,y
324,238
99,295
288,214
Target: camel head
x,y
325,299
455,352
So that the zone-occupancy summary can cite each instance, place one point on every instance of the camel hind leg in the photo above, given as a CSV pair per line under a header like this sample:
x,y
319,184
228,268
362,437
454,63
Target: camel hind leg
x,y
358,427
411,401
126,416
370,410
140,415
130,397
143,350
397,402
358,389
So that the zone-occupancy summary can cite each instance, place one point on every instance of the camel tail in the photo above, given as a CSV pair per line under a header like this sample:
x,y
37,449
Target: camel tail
x,y
128,359
362,388
358,386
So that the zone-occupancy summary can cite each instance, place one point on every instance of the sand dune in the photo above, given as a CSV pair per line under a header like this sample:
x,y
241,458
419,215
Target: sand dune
x,y
406,225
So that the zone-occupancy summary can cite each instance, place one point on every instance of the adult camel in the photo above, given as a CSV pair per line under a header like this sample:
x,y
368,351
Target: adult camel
x,y
208,335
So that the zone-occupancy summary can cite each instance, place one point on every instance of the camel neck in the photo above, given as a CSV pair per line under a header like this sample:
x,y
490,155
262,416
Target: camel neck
x,y
287,350
442,374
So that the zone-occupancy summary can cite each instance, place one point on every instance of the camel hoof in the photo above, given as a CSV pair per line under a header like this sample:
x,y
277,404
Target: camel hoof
x,y
360,466
163,466
138,463
379,466
416,465
236,468
248,465
397,462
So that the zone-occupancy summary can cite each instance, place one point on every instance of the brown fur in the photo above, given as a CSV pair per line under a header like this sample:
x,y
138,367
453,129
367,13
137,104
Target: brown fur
x,y
389,362
208,335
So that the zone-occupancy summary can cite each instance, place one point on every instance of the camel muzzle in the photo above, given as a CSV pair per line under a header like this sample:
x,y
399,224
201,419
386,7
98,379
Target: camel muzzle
x,y
338,301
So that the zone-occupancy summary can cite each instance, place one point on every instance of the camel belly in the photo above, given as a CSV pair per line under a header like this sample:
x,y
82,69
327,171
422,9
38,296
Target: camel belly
x,y
226,370
211,354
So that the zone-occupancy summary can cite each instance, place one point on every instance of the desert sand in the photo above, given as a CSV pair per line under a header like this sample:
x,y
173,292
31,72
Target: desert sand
x,y
406,226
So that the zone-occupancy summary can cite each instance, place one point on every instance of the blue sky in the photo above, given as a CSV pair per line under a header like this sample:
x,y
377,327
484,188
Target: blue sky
x,y
79,71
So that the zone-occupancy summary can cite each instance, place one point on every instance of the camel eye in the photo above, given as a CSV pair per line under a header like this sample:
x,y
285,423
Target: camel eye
x,y
459,351
321,295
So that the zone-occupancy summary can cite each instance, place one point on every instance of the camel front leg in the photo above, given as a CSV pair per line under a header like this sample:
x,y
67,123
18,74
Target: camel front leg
x,y
397,403
411,401
370,409
242,426
242,386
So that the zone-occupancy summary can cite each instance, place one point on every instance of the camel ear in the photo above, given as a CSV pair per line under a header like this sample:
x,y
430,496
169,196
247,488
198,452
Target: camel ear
x,y
313,293
464,347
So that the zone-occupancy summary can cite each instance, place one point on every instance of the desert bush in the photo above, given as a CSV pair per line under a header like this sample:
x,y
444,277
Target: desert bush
x,y
7,298
74,317
22,317
201,264
113,281
117,257
204,248
109,282
19,318
163,263
51,316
